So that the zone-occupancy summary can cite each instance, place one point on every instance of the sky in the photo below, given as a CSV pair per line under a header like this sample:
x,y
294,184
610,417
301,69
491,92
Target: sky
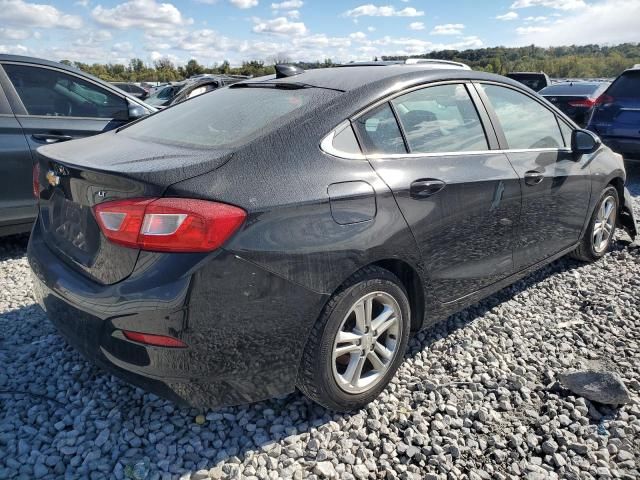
x,y
237,30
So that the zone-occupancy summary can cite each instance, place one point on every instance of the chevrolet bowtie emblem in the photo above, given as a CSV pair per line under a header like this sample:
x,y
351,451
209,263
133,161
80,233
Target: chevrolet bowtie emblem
x,y
53,179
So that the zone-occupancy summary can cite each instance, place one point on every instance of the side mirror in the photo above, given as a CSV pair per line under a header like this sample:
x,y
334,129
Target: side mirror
x,y
584,142
136,111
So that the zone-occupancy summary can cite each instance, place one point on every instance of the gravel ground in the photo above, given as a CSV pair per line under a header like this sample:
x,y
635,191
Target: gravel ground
x,y
476,398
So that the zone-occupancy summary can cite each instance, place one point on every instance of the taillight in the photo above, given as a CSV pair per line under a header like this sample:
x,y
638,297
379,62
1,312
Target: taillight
x,y
168,224
36,180
604,99
586,103
155,340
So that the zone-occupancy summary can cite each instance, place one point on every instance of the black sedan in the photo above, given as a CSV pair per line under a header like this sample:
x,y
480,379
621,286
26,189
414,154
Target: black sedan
x,y
292,232
576,99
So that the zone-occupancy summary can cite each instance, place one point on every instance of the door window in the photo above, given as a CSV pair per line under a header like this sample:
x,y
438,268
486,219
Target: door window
x,y
379,131
52,93
440,119
525,122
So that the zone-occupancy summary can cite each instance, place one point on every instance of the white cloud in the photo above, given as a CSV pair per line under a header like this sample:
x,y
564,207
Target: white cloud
x,y
416,26
14,34
448,29
18,12
93,37
608,21
370,10
15,49
358,35
508,16
287,4
244,3
537,19
530,30
82,3
293,14
280,25
557,4
371,29
147,14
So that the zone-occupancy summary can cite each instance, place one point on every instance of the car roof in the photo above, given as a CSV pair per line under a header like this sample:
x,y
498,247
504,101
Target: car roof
x,y
393,75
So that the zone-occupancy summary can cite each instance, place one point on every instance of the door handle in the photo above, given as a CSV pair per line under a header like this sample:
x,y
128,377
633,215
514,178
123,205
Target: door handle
x,y
533,177
425,188
51,137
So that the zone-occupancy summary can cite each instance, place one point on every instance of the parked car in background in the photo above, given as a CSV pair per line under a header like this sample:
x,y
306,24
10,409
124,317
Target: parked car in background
x,y
576,99
536,81
133,89
181,91
292,231
43,102
616,115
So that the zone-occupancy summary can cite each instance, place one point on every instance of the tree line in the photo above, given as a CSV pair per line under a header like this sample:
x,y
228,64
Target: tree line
x,y
592,61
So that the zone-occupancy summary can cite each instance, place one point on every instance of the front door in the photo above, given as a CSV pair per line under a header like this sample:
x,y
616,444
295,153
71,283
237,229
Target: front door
x,y
17,207
461,200
556,185
50,106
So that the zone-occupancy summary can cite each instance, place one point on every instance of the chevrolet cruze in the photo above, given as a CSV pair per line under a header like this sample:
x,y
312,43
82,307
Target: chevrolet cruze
x,y
292,231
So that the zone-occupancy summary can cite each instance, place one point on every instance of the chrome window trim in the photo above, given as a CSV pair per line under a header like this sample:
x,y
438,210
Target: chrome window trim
x,y
326,144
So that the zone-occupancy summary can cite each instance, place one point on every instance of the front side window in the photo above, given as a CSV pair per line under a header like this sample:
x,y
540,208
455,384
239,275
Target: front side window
x,y
526,123
52,93
379,131
440,119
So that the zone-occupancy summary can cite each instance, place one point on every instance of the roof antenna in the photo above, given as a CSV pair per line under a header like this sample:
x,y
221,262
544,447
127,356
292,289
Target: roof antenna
x,y
284,71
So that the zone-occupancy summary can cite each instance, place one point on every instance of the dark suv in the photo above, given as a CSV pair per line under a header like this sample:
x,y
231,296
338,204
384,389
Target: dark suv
x,y
44,102
616,115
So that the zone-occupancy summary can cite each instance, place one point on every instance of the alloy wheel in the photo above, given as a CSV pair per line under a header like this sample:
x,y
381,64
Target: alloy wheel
x,y
604,226
366,342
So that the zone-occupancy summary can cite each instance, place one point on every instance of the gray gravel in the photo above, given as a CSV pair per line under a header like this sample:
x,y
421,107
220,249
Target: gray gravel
x,y
476,398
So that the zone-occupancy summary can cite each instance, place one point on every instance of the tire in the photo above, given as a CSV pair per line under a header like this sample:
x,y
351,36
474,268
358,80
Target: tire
x,y
324,379
590,249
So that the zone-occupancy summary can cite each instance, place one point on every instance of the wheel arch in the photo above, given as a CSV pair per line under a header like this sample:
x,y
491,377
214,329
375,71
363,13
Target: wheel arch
x,y
413,285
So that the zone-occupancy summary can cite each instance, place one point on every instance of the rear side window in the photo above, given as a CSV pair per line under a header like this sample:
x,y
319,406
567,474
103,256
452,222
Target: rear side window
x,y
627,85
379,131
53,93
440,119
525,122
227,116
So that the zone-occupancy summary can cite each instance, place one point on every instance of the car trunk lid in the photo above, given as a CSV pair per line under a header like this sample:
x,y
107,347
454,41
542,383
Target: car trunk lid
x,y
76,176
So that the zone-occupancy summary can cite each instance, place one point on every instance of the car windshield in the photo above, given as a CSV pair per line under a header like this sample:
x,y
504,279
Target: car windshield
x,y
626,86
576,88
161,96
227,116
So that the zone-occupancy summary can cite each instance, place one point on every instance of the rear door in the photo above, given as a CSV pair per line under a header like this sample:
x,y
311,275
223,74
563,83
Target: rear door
x,y
556,185
17,206
462,201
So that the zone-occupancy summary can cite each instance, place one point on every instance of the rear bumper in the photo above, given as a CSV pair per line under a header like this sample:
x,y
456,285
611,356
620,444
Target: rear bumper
x,y
245,328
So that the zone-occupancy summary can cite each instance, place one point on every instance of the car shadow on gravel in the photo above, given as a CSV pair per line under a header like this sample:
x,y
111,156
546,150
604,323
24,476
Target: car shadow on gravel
x,y
54,401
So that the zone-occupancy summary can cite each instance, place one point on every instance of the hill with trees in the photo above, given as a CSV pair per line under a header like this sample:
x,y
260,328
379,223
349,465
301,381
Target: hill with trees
x,y
592,61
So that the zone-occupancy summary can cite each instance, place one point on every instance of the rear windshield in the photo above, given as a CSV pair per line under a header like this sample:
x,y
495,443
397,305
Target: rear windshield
x,y
535,81
627,85
225,117
573,89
